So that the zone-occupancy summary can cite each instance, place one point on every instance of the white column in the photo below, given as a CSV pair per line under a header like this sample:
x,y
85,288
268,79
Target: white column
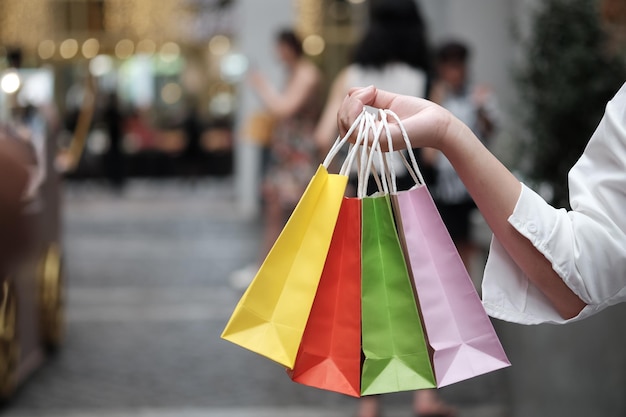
x,y
258,21
435,14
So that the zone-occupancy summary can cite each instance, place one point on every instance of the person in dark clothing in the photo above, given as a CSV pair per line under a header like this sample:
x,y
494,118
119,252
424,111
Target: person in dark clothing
x,y
114,160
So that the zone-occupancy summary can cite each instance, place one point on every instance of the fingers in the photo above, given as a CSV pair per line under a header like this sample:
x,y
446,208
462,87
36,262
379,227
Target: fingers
x,y
405,107
353,105
365,95
348,112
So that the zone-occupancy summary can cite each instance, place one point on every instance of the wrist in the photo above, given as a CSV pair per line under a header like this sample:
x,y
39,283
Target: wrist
x,y
452,131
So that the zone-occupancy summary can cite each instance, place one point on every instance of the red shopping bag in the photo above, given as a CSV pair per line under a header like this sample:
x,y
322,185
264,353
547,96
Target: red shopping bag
x,y
330,352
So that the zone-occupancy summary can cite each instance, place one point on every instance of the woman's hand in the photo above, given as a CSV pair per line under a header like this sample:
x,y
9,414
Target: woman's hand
x,y
494,189
257,80
427,124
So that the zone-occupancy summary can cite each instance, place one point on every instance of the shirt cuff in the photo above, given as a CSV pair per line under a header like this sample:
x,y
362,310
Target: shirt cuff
x,y
508,294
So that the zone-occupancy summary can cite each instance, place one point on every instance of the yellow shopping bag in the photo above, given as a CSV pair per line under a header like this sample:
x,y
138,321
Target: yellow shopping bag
x,y
272,314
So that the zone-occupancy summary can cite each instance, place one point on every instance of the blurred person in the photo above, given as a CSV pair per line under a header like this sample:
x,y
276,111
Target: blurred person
x,y
192,126
114,159
393,55
292,151
546,265
137,128
475,106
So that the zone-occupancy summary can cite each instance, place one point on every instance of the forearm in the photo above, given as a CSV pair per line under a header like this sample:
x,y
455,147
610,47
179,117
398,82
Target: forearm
x,y
326,129
298,91
496,191
492,186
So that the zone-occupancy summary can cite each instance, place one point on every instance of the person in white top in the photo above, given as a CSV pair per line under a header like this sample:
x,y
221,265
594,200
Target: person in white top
x,y
545,264
393,55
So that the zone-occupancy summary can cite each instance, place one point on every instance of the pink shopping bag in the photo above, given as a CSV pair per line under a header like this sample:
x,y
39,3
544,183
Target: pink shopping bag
x,y
458,329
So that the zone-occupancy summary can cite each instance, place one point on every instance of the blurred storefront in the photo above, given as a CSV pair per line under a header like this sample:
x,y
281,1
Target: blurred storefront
x,y
167,70
171,70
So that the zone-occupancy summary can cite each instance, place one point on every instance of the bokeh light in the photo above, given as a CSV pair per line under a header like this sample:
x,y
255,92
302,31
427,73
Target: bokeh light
x,y
90,48
219,45
68,48
233,67
10,82
169,52
146,47
100,65
222,104
124,48
171,93
46,49
313,45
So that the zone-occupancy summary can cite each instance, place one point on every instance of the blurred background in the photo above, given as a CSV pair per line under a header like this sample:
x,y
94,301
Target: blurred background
x,y
139,115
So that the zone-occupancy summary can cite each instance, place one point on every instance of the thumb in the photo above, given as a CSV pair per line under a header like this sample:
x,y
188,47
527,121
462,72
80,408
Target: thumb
x,y
352,106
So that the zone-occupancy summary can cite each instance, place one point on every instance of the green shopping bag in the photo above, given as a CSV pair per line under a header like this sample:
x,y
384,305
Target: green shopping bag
x,y
395,348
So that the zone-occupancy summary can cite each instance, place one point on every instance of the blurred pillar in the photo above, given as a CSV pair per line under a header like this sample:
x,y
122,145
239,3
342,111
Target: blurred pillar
x,y
258,23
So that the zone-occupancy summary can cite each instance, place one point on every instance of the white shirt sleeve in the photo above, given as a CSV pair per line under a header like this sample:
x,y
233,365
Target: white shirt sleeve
x,y
586,246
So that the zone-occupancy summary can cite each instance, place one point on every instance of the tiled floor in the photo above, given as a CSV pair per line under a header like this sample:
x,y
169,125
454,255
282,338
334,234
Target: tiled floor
x,y
148,297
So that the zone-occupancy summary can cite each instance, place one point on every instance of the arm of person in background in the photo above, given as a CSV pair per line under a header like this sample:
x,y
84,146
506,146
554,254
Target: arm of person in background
x,y
285,104
326,130
486,114
486,111
492,186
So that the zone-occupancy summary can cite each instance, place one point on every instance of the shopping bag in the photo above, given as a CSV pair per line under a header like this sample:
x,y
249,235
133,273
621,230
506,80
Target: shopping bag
x,y
330,352
271,316
394,345
259,127
396,354
461,335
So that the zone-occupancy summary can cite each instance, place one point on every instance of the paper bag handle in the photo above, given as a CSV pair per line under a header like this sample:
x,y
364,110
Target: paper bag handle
x,y
374,150
354,148
412,168
340,141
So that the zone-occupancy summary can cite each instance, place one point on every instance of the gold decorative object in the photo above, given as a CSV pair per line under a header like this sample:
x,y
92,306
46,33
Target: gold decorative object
x,y
9,343
29,23
25,23
51,300
309,17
